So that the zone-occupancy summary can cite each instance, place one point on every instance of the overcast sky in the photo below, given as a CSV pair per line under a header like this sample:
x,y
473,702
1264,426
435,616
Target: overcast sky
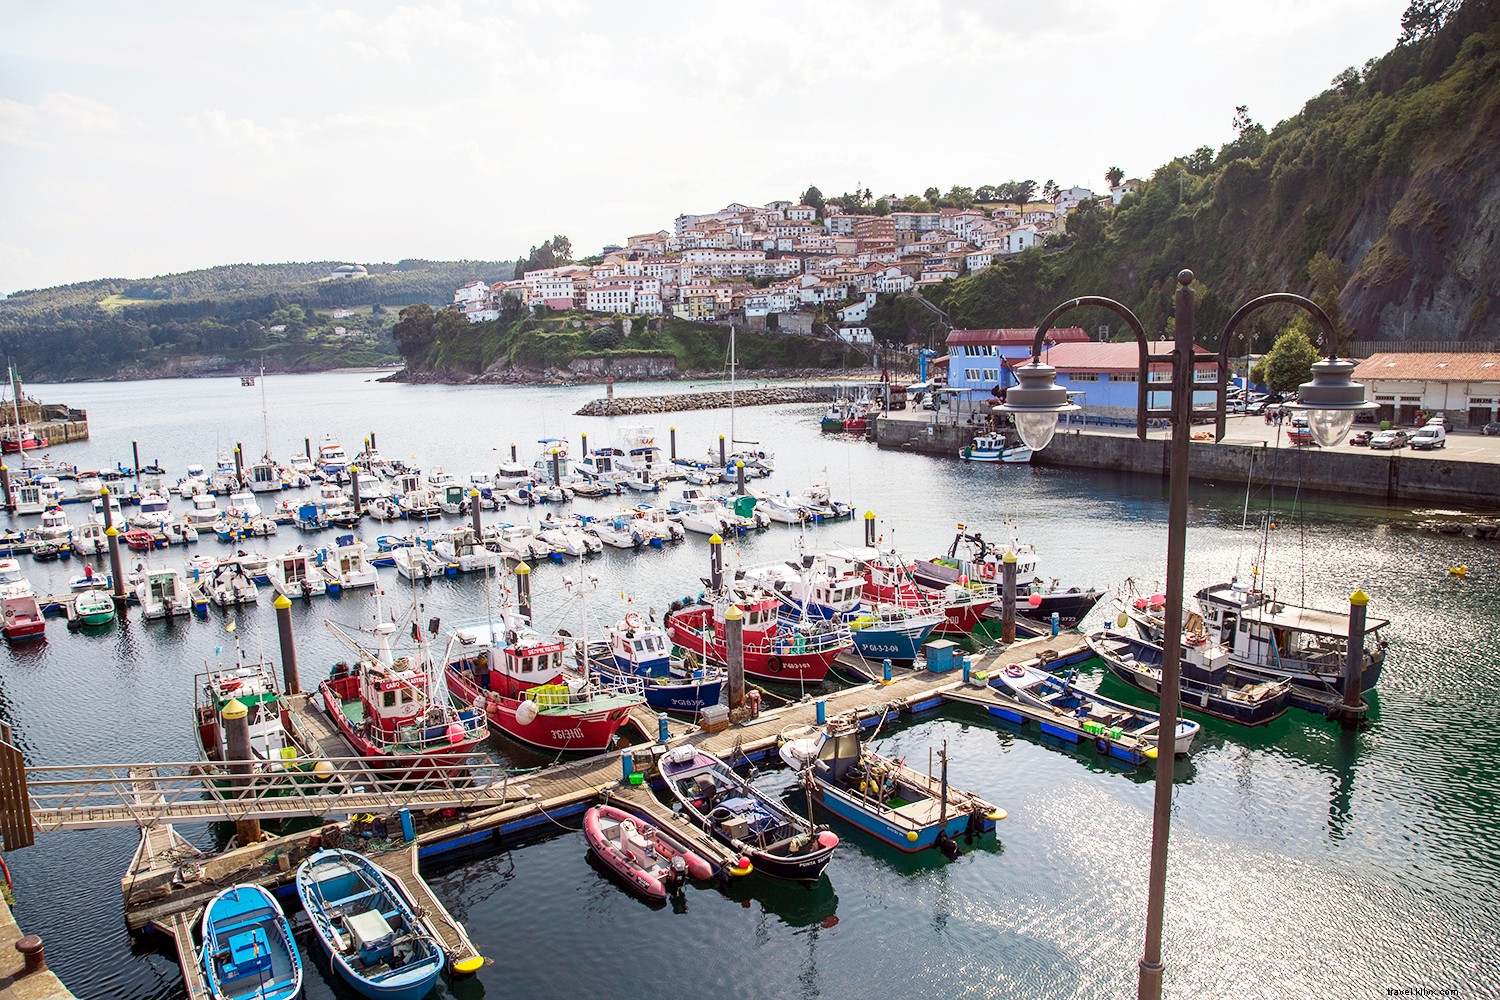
x,y
139,139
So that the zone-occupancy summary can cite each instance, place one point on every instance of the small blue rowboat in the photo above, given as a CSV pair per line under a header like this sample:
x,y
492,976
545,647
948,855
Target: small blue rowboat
x,y
369,926
248,949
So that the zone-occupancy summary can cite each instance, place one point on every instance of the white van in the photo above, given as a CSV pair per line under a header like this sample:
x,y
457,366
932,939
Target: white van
x,y
1431,436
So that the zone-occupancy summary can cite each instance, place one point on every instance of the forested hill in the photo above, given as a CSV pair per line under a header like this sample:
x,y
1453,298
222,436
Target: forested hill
x,y
224,319
1382,197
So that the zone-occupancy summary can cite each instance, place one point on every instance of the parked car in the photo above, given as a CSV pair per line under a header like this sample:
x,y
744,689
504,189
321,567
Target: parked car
x,y
1441,421
1234,406
1255,406
1492,428
1430,436
1362,439
1389,440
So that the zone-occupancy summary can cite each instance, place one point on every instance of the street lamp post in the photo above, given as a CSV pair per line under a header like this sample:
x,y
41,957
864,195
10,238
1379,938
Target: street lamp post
x,y
1331,399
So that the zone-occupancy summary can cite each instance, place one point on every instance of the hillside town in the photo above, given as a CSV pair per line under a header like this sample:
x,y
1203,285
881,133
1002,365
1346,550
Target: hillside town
x,y
782,258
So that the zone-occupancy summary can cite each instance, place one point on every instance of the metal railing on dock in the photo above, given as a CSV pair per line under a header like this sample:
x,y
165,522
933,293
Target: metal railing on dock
x,y
71,797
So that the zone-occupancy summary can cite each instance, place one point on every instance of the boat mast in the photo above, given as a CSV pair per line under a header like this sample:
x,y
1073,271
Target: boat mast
x,y
265,426
732,362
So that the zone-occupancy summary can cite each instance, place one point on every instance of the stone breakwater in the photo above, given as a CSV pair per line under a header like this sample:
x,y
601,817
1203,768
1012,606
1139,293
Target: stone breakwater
x,y
677,402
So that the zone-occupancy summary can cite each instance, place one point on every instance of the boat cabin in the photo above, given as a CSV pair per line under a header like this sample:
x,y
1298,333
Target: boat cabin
x,y
29,499
96,511
243,505
407,482
153,505
1264,632
639,647
264,478
253,686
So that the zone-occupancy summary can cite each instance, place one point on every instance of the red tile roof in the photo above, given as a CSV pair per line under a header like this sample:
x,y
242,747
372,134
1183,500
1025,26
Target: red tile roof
x,y
1430,367
1057,335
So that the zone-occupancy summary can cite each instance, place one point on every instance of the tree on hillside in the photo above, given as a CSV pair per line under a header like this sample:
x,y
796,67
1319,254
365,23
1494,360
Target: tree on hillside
x,y
553,253
959,197
413,331
985,192
1114,175
813,198
1086,223
882,206
1050,190
1423,17
1289,362
931,196
1022,193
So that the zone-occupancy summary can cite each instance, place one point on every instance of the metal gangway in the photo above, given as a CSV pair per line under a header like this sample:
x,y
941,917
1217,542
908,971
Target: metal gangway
x,y
91,796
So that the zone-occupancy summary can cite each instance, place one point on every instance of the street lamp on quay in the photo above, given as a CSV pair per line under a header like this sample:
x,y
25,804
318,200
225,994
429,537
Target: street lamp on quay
x,y
1331,400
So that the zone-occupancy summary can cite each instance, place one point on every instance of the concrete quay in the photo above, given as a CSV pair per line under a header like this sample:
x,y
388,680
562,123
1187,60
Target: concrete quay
x,y
1466,472
16,983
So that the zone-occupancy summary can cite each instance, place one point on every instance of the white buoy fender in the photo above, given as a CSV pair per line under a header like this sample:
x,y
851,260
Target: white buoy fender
x,y
526,712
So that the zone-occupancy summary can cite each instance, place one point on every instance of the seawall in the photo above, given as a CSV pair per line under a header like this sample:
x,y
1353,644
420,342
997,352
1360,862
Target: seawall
x,y
676,402
1389,476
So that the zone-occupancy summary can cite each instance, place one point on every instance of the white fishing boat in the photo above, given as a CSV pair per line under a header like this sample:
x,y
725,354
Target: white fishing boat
x,y
263,477
417,562
372,487
96,512
153,512
459,549
242,506
12,581
333,461
178,533
28,498
295,574
703,515
228,584
994,448
345,566
383,510
54,526
89,539
163,593
658,524
204,513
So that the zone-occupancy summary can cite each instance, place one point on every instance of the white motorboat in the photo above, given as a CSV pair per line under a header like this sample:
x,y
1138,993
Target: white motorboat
x,y
417,562
178,533
994,448
228,584
12,582
619,531
295,574
658,524
372,487
242,506
566,535
204,513
263,477
96,512
54,526
382,510
89,539
344,564
163,593
704,515
153,512
333,461
518,541
459,549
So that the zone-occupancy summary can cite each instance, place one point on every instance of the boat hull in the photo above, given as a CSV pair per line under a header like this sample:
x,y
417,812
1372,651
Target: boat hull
x,y
849,809
1203,699
557,729
777,663
667,694
639,871
248,948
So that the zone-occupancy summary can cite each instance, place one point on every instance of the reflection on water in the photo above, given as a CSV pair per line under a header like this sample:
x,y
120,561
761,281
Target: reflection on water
x,y
1305,860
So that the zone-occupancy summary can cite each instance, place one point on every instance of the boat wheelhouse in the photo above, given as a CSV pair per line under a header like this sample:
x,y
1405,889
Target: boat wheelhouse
x,y
296,574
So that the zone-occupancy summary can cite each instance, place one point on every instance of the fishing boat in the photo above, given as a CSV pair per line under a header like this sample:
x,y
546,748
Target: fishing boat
x,y
153,512
333,461
1208,683
54,526
93,607
395,711
650,861
204,513
276,747
22,617
417,562
248,949
1274,638
369,926
90,540
228,584
636,649
518,676
994,448
345,566
770,837
163,593
459,550
1027,693
18,437
883,797
890,580
974,561
774,650
295,574
618,531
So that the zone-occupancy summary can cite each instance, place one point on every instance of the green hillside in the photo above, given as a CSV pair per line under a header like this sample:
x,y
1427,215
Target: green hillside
x,y
1377,199
224,318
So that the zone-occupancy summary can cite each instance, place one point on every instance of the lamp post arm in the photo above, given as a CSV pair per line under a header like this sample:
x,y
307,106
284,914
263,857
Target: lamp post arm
x,y
1120,310
1328,339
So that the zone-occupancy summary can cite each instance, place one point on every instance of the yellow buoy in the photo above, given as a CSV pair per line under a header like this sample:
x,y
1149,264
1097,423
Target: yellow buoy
x,y
467,966
1123,620
323,770
1458,570
1150,753
997,814
911,835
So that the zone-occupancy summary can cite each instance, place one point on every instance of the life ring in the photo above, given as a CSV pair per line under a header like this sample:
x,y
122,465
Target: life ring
x,y
773,663
409,710
632,620
1015,670
987,570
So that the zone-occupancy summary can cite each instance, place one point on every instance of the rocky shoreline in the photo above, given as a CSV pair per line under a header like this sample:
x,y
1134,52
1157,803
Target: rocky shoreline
x,y
551,376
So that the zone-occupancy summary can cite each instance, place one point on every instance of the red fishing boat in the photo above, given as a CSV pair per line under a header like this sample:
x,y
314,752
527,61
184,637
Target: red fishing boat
x,y
889,579
139,540
519,678
395,711
775,650
12,442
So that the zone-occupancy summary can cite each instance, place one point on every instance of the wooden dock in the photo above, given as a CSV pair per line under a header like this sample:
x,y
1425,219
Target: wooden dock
x,y
164,890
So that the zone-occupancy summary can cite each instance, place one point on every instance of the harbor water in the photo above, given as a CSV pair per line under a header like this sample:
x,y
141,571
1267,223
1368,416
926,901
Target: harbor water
x,y
1305,860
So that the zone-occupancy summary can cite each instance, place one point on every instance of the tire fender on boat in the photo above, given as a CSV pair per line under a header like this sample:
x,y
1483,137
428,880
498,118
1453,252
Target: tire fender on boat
x,y
1101,744
773,663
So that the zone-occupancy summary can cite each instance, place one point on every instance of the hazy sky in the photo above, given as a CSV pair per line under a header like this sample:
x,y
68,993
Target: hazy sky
x,y
143,138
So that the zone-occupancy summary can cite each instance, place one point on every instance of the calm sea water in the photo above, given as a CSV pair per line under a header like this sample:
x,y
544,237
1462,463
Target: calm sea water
x,y
1306,861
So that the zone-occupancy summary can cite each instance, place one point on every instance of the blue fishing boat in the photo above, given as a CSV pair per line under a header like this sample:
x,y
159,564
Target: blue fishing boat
x,y
248,950
639,651
883,797
369,926
890,632
1026,693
